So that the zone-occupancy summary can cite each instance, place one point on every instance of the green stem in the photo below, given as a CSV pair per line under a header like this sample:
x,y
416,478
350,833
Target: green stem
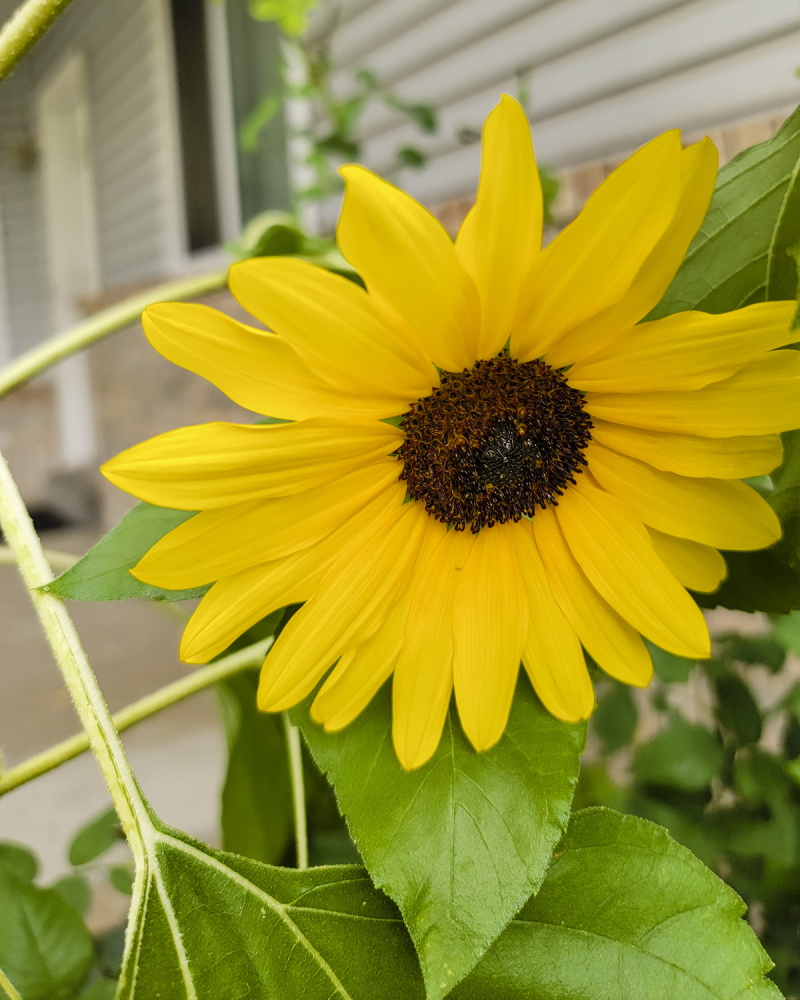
x,y
8,988
59,560
198,680
24,29
101,325
81,682
298,790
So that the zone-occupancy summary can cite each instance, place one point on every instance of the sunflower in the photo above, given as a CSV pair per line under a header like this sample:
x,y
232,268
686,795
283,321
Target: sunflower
x,y
484,458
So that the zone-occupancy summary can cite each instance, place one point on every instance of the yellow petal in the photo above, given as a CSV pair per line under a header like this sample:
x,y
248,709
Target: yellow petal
x,y
502,235
616,554
408,261
590,265
688,455
762,398
698,173
359,674
490,625
349,605
258,370
609,639
723,513
686,351
423,675
236,602
217,465
217,543
552,655
333,326
696,566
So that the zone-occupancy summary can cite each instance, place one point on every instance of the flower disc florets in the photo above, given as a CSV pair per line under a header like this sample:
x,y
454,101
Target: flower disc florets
x,y
494,442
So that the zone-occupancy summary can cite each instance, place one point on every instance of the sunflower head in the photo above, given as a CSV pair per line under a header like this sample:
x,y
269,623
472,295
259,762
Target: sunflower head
x,y
484,384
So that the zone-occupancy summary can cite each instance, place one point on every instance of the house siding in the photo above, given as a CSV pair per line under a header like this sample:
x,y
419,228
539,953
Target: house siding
x,y
136,196
600,77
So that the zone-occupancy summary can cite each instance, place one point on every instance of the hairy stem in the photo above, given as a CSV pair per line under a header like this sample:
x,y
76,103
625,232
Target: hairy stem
x,y
151,704
101,325
71,659
298,790
24,29
58,560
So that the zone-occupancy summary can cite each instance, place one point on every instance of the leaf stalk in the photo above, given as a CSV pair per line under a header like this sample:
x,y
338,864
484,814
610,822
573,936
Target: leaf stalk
x,y
24,29
136,712
295,754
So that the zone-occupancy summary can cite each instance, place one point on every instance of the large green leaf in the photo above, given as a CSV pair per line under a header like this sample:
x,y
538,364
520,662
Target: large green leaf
x,y
103,573
461,843
256,814
45,950
739,255
625,912
206,925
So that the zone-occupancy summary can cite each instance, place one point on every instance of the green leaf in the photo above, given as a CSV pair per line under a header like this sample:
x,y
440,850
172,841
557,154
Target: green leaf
x,y
739,254
121,877
75,890
258,119
45,950
756,581
207,925
256,797
95,838
291,15
680,756
103,573
625,912
737,709
786,631
18,859
667,666
100,989
615,718
462,842
756,649
410,156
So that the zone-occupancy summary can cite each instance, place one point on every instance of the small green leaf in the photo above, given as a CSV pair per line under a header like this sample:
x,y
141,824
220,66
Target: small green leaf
x,y
680,756
19,859
258,119
668,667
615,718
121,877
462,842
786,631
103,573
756,649
410,156
95,838
737,710
75,890
625,912
256,797
45,950
291,15
756,581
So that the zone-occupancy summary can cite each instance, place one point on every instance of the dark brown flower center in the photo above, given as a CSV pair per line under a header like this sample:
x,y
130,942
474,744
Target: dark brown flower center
x,y
494,442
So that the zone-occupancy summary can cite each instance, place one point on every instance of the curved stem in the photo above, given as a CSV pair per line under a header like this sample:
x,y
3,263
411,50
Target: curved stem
x,y
139,710
81,682
101,325
24,29
8,987
298,790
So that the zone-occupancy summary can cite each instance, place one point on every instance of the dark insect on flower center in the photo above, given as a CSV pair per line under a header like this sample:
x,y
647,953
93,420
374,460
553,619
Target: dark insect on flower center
x,y
494,442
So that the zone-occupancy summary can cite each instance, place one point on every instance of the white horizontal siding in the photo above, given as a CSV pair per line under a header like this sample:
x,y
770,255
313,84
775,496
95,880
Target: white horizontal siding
x,y
134,186
601,76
